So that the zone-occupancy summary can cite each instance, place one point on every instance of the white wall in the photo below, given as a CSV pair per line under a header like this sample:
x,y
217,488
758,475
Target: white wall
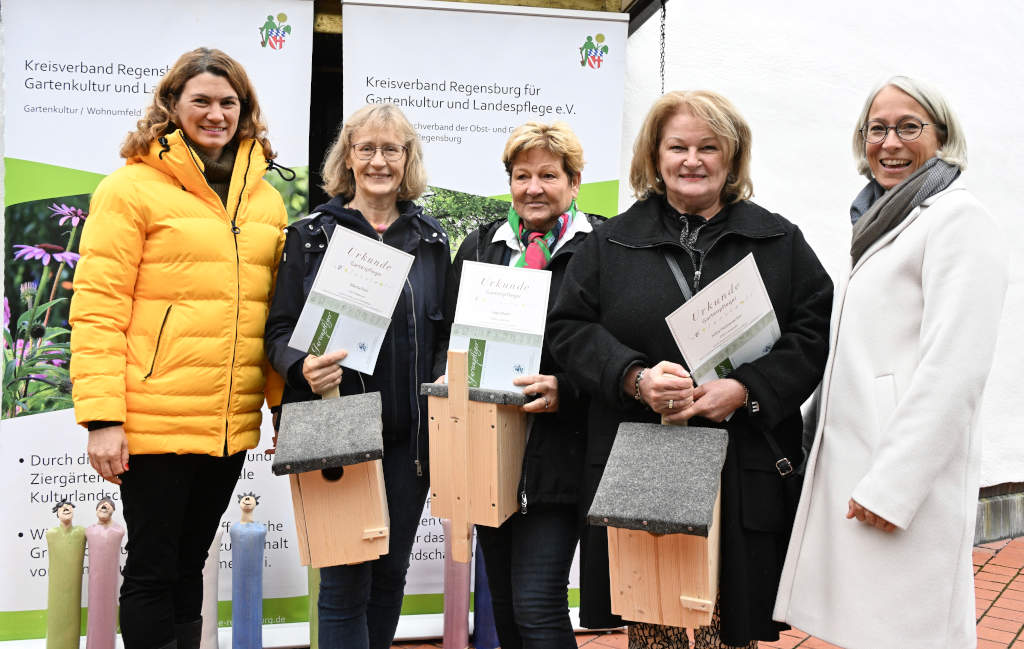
x,y
799,72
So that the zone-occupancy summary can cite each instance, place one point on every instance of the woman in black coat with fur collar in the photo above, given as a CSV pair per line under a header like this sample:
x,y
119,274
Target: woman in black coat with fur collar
x,y
691,166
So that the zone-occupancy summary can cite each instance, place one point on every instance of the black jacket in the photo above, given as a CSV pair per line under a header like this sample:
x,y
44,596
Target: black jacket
x,y
611,313
553,462
409,345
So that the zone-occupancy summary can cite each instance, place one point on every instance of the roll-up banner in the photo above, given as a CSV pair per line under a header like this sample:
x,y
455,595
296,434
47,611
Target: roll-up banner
x,y
466,75
77,76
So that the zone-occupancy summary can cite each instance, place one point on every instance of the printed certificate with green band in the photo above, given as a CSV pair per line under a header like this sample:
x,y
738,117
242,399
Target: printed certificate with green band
x,y
727,323
353,296
499,320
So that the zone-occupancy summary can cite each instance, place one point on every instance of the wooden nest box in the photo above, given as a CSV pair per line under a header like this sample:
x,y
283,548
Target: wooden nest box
x,y
659,498
331,450
477,441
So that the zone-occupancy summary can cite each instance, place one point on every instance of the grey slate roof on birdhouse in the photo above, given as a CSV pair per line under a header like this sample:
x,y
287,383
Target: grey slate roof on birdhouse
x,y
329,433
662,479
500,397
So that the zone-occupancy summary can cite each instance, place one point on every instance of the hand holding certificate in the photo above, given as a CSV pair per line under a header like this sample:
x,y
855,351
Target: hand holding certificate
x,y
727,323
500,319
353,296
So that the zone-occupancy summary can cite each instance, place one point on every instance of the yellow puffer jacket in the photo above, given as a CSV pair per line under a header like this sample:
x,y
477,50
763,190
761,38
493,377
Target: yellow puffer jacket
x,y
171,297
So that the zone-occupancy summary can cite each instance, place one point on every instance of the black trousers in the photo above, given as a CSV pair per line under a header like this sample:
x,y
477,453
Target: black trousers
x,y
528,560
172,505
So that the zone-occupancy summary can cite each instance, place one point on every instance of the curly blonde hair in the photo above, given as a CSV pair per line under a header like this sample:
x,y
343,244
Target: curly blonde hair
x,y
338,177
159,116
721,117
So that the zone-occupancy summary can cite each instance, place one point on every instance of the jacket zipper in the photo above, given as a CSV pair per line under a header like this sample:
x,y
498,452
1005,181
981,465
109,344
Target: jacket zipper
x,y
522,489
416,373
394,359
235,230
159,337
415,367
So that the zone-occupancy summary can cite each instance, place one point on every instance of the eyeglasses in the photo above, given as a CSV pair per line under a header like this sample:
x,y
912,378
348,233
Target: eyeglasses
x,y
908,130
366,151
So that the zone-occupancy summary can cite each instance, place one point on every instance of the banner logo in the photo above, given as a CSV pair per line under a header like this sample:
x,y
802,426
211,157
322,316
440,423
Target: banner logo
x,y
273,33
592,52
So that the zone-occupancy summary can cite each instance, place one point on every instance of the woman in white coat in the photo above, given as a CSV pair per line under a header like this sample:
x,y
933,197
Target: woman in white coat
x,y
880,555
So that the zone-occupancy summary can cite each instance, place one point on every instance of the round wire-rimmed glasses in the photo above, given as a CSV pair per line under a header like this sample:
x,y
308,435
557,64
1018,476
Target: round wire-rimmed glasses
x,y
366,151
908,130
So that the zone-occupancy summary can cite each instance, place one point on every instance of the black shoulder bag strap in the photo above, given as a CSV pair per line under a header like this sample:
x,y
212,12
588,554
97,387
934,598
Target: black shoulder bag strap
x,y
782,465
673,265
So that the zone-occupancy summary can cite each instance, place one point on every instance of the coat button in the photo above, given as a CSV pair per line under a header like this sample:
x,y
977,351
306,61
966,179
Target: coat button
x,y
309,245
321,245
310,226
434,234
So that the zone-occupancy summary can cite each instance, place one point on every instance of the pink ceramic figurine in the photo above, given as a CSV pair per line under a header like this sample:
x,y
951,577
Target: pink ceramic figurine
x,y
104,539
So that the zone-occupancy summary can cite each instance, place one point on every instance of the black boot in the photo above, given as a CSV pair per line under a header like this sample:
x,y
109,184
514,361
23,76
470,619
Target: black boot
x,y
189,634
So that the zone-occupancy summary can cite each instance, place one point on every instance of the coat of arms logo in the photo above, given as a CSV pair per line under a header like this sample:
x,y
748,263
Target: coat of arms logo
x,y
593,51
273,32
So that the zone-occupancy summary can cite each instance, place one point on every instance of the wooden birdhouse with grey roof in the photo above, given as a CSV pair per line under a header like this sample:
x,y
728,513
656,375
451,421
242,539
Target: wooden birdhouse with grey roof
x,y
659,499
331,450
477,441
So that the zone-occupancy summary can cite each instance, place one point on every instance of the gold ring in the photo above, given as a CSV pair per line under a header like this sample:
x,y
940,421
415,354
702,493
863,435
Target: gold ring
x,y
671,404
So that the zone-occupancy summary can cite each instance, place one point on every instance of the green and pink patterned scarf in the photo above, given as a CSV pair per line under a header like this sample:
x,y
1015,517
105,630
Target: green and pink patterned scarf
x,y
538,245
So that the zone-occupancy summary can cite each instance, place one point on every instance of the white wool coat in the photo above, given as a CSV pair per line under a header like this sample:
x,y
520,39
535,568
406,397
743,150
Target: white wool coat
x,y
912,337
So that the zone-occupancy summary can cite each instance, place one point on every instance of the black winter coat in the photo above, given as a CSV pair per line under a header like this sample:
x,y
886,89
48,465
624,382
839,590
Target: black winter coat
x,y
611,313
409,345
553,462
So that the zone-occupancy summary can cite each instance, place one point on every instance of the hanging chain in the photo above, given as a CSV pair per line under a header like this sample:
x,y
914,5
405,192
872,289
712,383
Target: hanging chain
x,y
663,47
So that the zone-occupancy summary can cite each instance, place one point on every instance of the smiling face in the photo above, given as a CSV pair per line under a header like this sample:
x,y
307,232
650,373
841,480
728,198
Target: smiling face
x,y
377,178
541,189
892,160
691,161
208,111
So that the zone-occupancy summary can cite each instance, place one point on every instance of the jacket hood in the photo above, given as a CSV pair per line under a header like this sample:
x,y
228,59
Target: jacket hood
x,y
334,212
173,155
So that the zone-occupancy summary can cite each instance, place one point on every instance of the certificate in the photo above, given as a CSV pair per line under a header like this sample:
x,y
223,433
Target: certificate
x,y
499,321
727,323
352,299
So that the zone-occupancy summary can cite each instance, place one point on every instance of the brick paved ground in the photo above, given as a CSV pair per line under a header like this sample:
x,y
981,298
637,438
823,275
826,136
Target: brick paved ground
x,y
999,597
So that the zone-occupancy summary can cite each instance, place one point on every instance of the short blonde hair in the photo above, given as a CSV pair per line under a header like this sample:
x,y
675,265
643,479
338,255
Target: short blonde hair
x,y
724,120
556,138
952,143
338,177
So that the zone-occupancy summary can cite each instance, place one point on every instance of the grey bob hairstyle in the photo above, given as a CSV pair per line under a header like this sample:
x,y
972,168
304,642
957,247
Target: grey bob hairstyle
x,y
952,144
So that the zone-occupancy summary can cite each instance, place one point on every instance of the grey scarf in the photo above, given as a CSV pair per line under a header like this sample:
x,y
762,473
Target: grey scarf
x,y
893,206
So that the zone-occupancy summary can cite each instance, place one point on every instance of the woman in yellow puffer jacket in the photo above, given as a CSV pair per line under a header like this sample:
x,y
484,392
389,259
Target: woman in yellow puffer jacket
x,y
171,298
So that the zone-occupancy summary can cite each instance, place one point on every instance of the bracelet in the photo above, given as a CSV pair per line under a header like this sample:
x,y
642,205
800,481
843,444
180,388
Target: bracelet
x,y
636,384
752,407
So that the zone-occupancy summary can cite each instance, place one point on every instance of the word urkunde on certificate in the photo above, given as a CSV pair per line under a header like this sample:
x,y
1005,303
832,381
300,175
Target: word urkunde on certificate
x,y
499,321
354,294
727,323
